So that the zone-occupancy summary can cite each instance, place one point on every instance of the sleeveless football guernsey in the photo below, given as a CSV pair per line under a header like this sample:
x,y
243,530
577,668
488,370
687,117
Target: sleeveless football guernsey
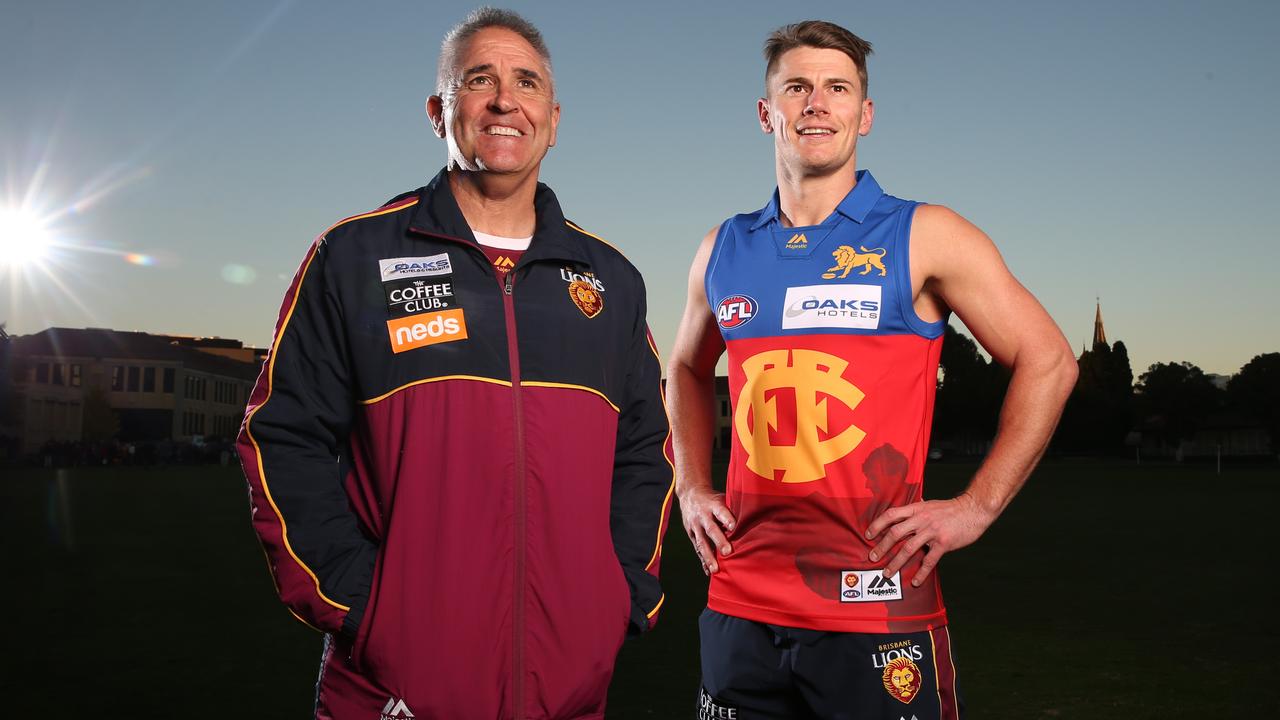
x,y
832,378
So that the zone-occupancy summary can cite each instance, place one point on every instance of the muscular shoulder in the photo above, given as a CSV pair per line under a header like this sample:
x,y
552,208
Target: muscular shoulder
x,y
941,238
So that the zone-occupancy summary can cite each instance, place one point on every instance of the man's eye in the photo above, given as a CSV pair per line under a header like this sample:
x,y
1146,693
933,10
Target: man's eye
x,y
840,88
795,88
527,83
478,80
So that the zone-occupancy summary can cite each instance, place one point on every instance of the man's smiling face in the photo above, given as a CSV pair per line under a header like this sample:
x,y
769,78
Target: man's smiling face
x,y
500,115
815,110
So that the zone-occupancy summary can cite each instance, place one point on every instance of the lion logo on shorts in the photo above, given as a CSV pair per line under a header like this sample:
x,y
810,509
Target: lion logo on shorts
x,y
847,259
902,679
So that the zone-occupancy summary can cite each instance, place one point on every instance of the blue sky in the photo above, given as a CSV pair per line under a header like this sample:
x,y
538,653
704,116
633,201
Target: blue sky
x,y
1120,150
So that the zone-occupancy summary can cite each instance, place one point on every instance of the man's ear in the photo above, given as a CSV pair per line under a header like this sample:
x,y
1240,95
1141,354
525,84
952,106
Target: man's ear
x,y
762,110
435,111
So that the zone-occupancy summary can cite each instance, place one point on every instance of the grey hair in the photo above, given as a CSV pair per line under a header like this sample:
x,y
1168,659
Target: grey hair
x,y
479,19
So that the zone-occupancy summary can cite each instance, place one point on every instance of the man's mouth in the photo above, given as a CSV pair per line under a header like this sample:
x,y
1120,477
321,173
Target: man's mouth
x,y
817,131
502,130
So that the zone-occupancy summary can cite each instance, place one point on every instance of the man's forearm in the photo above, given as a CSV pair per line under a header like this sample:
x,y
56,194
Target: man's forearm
x,y
691,398
1032,406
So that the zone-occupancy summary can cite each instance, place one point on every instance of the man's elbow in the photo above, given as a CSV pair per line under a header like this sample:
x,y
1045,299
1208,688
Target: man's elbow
x,y
1063,370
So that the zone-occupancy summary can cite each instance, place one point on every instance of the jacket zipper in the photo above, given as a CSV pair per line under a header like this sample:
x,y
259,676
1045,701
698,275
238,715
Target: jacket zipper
x,y
507,283
517,610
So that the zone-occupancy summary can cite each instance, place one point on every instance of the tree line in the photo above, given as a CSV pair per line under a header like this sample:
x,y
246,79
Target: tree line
x,y
1108,410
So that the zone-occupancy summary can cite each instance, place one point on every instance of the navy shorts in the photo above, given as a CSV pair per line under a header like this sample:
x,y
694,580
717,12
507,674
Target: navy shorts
x,y
755,671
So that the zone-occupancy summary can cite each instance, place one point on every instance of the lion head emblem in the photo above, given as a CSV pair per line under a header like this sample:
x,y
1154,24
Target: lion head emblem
x,y
586,298
847,259
902,679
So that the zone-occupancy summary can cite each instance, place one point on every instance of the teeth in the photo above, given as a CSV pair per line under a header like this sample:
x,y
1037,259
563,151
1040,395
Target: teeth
x,y
815,131
503,130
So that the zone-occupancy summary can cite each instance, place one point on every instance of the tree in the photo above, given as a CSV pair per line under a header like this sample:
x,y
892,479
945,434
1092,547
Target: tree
x,y
100,421
1255,391
1176,397
967,407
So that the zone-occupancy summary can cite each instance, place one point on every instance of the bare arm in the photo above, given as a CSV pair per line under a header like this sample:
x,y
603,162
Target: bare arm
x,y
691,402
955,265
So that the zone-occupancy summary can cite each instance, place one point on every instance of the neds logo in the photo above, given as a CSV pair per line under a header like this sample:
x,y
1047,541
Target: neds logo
x,y
415,331
736,310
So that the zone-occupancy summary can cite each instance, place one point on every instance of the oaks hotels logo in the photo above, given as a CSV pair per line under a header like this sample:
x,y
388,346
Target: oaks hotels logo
x,y
406,267
415,331
842,306
736,310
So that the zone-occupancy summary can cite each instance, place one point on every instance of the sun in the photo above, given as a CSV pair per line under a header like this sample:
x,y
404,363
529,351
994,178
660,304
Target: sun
x,y
24,240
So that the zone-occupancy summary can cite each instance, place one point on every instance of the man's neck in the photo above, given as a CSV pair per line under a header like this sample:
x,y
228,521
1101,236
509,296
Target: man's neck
x,y
496,204
805,200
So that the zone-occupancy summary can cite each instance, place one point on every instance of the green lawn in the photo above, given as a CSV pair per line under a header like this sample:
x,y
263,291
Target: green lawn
x,y
1106,591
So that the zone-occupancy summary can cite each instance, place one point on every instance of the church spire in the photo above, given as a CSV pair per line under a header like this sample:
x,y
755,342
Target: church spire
x,y
1099,334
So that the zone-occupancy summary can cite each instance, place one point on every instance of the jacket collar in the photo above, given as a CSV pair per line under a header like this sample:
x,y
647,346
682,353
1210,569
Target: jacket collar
x,y
437,213
856,205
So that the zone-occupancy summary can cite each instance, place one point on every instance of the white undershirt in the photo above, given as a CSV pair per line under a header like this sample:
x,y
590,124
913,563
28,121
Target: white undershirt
x,y
502,243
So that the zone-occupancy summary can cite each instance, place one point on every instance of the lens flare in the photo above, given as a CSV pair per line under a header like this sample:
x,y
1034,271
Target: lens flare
x,y
139,259
239,274
24,239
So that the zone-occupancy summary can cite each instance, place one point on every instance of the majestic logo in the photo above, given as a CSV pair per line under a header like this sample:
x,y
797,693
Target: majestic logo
x,y
395,710
812,378
586,297
874,586
415,331
736,310
902,679
504,264
843,306
798,242
397,268
847,259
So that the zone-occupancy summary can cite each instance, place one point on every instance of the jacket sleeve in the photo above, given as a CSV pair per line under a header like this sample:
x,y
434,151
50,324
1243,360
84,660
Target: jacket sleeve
x,y
643,477
298,418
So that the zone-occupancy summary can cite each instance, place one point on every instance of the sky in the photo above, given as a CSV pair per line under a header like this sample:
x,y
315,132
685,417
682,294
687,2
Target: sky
x,y
184,155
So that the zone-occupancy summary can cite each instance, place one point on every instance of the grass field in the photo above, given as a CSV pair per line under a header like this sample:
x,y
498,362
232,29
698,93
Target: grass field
x,y
1106,591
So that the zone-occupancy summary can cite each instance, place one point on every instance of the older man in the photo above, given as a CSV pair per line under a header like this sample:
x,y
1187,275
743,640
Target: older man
x,y
457,450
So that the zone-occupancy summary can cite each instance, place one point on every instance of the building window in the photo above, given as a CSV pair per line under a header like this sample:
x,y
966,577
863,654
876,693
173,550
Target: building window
x,y
204,391
42,373
135,374
724,408
149,379
117,378
168,380
57,374
75,376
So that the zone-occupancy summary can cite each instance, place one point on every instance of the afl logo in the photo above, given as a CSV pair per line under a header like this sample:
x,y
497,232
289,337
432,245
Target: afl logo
x,y
736,310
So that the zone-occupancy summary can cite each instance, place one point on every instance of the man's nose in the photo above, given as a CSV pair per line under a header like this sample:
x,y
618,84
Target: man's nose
x,y
503,100
816,103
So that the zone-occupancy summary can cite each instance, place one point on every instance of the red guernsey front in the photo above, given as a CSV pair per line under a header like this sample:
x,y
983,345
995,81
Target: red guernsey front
x,y
832,379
